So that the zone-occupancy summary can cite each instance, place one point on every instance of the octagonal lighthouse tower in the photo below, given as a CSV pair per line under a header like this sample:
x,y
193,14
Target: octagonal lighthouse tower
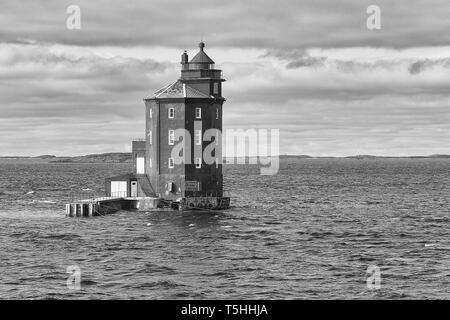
x,y
181,156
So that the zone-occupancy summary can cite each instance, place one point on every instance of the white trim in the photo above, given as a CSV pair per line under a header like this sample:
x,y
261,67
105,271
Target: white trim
x,y
198,163
173,113
198,137
199,116
184,90
166,88
140,165
171,137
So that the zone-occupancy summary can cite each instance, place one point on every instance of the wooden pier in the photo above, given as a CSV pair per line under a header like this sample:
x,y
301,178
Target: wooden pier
x,y
95,207
106,205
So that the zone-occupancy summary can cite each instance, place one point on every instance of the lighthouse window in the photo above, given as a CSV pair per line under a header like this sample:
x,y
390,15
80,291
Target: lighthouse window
x,y
217,113
171,113
171,163
198,162
140,164
151,113
216,88
198,137
150,137
151,164
171,137
198,113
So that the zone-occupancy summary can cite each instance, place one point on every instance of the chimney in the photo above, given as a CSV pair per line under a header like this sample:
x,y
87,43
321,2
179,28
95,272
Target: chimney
x,y
184,61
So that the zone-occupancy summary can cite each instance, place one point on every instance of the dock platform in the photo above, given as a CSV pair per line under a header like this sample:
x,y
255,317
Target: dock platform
x,y
107,205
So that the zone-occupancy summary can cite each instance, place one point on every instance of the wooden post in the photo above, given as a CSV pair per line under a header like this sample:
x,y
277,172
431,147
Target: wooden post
x,y
95,209
85,210
73,209
78,208
91,209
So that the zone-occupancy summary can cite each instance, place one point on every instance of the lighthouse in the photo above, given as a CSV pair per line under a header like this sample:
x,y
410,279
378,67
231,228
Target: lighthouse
x,y
180,160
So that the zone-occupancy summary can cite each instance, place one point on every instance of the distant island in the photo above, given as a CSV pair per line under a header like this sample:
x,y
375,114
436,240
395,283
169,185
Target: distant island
x,y
112,157
125,157
367,156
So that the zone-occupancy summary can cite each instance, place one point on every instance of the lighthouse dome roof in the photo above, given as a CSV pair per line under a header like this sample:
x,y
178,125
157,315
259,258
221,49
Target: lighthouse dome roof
x,y
201,56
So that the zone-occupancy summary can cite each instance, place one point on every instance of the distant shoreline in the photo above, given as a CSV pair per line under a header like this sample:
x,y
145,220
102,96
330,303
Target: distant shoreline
x,y
126,157
433,156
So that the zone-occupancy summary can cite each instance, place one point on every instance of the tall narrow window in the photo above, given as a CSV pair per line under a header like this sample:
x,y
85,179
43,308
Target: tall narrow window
x,y
198,113
150,137
217,163
151,113
217,113
198,162
171,113
216,88
151,164
171,137
171,163
140,165
198,137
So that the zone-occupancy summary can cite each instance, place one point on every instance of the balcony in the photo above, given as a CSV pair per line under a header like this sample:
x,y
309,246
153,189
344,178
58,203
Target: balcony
x,y
201,73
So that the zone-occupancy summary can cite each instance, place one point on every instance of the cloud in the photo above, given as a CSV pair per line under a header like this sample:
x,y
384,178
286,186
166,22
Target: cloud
x,y
426,64
297,58
64,101
309,68
245,24
41,81
75,100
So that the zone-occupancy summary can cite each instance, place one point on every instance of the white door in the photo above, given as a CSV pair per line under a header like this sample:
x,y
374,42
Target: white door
x,y
140,165
119,189
134,188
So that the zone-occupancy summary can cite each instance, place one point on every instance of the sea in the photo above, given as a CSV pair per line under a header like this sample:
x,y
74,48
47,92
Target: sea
x,y
337,228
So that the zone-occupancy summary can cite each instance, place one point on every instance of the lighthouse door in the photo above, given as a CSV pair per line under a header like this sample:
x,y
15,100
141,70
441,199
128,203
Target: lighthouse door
x,y
119,188
134,188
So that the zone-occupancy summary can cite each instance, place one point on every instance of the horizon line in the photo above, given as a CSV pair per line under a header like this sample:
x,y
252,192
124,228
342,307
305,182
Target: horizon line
x,y
279,155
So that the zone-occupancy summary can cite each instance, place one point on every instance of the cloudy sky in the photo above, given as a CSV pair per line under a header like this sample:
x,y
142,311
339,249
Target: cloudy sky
x,y
312,69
